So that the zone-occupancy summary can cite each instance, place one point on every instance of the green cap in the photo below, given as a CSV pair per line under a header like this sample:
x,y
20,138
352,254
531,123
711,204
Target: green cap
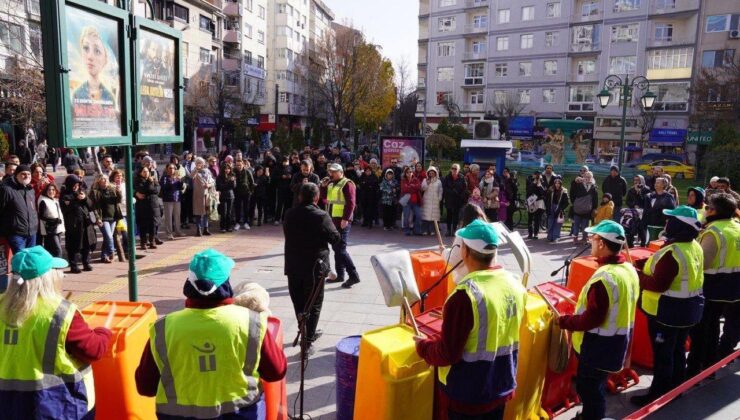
x,y
685,214
609,230
31,263
211,266
479,236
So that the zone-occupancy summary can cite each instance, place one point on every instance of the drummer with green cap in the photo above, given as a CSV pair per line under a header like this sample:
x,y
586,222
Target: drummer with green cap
x,y
604,317
206,361
672,297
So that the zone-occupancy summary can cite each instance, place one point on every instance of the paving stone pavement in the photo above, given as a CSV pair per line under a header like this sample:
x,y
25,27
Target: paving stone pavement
x,y
259,257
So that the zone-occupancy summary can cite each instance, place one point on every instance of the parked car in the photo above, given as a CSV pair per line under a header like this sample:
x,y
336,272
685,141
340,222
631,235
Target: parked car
x,y
674,168
650,157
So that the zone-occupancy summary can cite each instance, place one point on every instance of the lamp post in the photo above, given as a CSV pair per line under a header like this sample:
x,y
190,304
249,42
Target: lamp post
x,y
647,100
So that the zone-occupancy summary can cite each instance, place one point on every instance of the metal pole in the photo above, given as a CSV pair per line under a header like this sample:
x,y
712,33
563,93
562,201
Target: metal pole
x,y
625,100
133,281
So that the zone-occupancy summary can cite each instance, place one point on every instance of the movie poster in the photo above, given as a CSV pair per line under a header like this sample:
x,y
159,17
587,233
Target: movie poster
x,y
405,149
157,84
94,74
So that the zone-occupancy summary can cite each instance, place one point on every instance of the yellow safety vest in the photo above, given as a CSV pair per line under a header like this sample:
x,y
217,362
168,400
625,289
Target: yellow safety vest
x,y
722,278
335,197
208,360
686,285
497,299
609,346
33,359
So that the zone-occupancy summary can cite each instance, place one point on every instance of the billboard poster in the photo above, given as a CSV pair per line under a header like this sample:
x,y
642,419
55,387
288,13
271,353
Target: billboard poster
x,y
404,149
94,74
156,67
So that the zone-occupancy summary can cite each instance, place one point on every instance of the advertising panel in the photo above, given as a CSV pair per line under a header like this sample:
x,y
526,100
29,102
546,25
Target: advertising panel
x,y
156,67
403,149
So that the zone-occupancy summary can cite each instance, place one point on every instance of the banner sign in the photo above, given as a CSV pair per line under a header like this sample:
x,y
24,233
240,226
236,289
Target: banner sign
x,y
157,84
667,135
700,137
403,149
521,127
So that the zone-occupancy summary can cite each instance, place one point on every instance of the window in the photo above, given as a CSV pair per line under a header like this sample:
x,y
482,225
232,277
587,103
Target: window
x,y
553,10
552,39
284,97
665,4
261,37
626,5
625,33
446,24
527,13
248,30
260,61
205,56
718,23
480,21
586,38
186,56
445,49
499,97
717,58
33,7
548,96
476,97
445,74
582,98
175,11
261,12
248,5
444,97
551,67
502,70
525,68
205,24
503,15
524,96
34,38
675,58
526,41
282,8
623,65
478,47
248,57
447,3
584,67
671,96
474,74
589,9
663,32
502,43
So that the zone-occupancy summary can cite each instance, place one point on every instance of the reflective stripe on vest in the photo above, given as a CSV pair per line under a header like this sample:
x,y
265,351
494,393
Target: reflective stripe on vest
x,y
611,319
727,237
172,406
481,353
683,272
52,364
688,281
335,198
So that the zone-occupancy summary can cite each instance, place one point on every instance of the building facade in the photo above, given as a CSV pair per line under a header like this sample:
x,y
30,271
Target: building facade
x,y
550,59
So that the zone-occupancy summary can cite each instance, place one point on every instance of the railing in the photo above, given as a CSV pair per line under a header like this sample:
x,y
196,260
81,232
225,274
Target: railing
x,y
424,7
472,28
594,16
421,84
585,47
423,32
419,107
670,41
232,8
476,3
231,64
592,77
473,107
660,7
471,55
232,35
215,3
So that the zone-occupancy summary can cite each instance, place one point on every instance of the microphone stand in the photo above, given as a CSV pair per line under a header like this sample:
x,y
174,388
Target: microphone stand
x,y
568,260
426,292
318,287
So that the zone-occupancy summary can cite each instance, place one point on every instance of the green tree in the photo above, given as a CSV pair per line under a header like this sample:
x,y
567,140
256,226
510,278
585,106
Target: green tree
x,y
721,158
441,145
4,146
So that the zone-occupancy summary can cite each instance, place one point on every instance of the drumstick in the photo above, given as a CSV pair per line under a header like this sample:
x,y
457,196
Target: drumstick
x,y
542,295
439,236
627,250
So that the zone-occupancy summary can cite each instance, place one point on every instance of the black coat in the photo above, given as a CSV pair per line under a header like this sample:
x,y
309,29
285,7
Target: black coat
x,y
579,190
654,205
616,186
297,182
454,191
17,209
369,190
308,233
79,230
147,208
556,202
637,198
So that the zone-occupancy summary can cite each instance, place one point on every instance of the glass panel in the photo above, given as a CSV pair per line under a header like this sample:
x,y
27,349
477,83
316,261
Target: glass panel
x,y
157,84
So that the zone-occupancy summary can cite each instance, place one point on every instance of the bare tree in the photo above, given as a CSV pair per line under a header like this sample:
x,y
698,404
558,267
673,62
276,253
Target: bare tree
x,y
216,94
505,109
404,84
645,120
715,95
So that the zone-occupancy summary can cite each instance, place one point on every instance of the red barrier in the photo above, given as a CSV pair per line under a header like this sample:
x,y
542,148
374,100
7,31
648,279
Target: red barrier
x,y
675,392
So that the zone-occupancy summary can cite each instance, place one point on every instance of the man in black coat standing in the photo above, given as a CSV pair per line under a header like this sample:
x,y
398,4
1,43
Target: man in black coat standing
x,y
308,233
615,185
20,221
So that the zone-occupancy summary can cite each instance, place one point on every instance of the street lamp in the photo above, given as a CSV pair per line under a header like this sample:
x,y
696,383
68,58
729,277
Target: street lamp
x,y
647,100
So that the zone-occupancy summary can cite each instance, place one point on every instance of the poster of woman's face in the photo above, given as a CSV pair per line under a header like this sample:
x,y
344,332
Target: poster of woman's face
x,y
94,75
156,84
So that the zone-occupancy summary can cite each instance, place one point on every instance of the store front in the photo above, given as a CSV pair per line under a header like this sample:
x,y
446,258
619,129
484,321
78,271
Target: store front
x,y
668,140
607,140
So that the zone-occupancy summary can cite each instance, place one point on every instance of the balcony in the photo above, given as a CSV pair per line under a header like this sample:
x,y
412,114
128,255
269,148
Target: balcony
x,y
232,8
591,77
420,107
469,4
475,55
594,16
585,47
423,31
472,28
232,35
422,83
424,7
213,3
473,107
670,41
231,64
678,6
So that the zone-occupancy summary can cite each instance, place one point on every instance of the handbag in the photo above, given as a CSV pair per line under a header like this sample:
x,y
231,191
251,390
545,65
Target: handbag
x,y
404,200
583,205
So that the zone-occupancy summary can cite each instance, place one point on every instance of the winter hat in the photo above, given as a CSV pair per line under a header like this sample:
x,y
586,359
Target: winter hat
x,y
479,236
147,159
614,168
685,214
335,167
607,195
432,168
608,230
209,269
700,194
32,263
22,168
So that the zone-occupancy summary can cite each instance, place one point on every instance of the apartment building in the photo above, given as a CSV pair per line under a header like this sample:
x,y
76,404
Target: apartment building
x,y
245,50
552,57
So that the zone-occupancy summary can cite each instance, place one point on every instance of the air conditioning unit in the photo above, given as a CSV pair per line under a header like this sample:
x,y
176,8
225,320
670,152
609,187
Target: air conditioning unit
x,y
734,34
485,130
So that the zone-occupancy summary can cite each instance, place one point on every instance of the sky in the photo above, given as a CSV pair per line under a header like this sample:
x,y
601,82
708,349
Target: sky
x,y
392,24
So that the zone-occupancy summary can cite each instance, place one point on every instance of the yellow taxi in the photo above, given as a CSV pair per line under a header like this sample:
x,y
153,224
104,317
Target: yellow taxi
x,y
674,168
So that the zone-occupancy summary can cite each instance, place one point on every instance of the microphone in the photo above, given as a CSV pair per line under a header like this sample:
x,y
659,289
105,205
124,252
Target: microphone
x,y
570,258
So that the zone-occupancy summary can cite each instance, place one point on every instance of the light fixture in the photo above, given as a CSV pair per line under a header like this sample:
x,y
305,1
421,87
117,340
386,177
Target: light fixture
x,y
604,98
648,100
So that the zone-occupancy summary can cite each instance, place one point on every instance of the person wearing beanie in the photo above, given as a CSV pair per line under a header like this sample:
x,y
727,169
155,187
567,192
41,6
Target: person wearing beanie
x,y
606,209
616,185
604,318
20,221
671,282
695,198
206,361
720,241
47,345
712,187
